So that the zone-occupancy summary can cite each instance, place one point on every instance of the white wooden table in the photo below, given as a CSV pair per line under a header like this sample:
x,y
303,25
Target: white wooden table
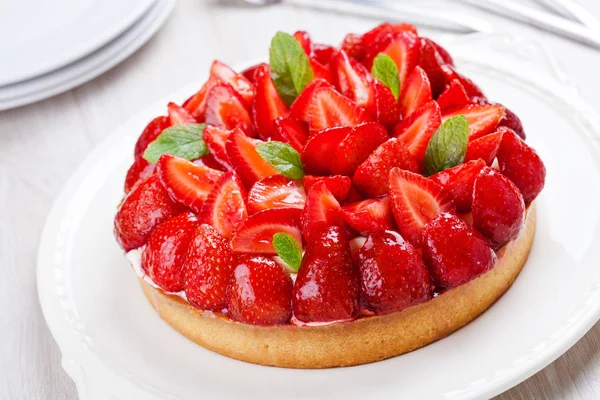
x,y
41,144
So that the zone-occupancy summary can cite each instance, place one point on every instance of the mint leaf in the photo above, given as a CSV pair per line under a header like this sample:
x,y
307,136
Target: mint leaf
x,y
288,249
385,71
283,158
290,66
183,141
447,146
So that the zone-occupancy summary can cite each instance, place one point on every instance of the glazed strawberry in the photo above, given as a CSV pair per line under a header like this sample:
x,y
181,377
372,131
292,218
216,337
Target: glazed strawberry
x,y
455,252
225,109
485,147
522,165
369,216
380,31
196,105
416,91
276,191
392,274
316,156
455,96
320,210
178,115
326,288
473,91
300,107
415,131
404,49
244,158
267,105
207,269
225,207
356,147
215,139
338,185
483,119
498,207
458,182
238,82
322,53
320,71
166,251
209,161
353,46
415,201
513,122
248,73
329,109
384,107
303,38
354,195
186,182
260,292
139,170
446,57
371,177
150,133
291,131
146,206
255,235
434,66
352,79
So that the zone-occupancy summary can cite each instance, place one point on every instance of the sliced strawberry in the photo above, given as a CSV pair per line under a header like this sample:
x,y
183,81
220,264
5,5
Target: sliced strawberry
x,y
384,107
146,206
513,122
415,131
237,81
405,50
381,30
320,71
248,73
267,106
260,292
352,79
166,251
329,109
371,177
291,131
316,157
473,91
442,52
369,216
196,105
225,207
485,147
416,91
186,182
321,210
338,185
354,196
458,182
300,107
276,191
255,235
434,66
178,115
210,161
455,96
353,46
304,40
139,170
208,269
322,53
482,119
150,133
225,109
215,139
327,288
415,201
356,147
244,158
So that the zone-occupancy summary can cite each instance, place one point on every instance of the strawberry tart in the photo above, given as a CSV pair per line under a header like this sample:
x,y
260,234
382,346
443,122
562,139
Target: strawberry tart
x,y
336,206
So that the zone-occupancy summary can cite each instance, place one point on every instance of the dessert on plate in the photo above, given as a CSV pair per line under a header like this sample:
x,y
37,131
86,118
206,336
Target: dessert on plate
x,y
335,206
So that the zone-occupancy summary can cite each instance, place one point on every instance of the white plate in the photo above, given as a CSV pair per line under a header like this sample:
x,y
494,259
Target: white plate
x,y
89,67
115,345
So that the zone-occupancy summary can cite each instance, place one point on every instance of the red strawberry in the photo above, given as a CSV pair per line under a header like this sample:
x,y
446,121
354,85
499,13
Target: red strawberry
x,y
209,161
276,191
322,53
208,268
442,52
300,107
326,288
485,147
369,38
356,147
513,122
320,210
338,185
303,38
330,109
522,165
196,105
458,182
186,182
320,71
244,158
415,201
482,119
248,73
384,107
392,274
267,105
434,66
316,157
455,96
139,170
353,46
166,251
371,177
178,115
225,109
498,207
215,139
404,49
352,79
369,216
354,196
255,235
473,91
416,91
415,131
291,131
150,133
237,81
225,206
260,292
455,252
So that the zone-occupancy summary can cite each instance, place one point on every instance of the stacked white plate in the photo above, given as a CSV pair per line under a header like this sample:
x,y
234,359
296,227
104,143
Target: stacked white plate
x,y
69,42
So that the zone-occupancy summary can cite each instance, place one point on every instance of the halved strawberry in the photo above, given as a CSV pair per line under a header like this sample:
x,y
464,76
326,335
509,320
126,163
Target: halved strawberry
x,y
379,38
291,131
303,39
416,91
196,105
384,107
370,37
267,105
210,162
322,53
458,182
300,107
329,109
215,139
369,216
186,182
139,170
371,177
338,185
244,158
178,115
362,140
434,66
353,46
442,52
276,191
225,207
237,81
316,156
482,119
485,147
248,73
320,71
226,109
150,133
352,79
415,131
513,122
415,201
473,91
455,96
255,235
321,210
404,49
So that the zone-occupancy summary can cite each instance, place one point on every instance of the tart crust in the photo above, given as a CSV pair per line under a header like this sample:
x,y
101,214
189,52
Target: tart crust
x,y
362,341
